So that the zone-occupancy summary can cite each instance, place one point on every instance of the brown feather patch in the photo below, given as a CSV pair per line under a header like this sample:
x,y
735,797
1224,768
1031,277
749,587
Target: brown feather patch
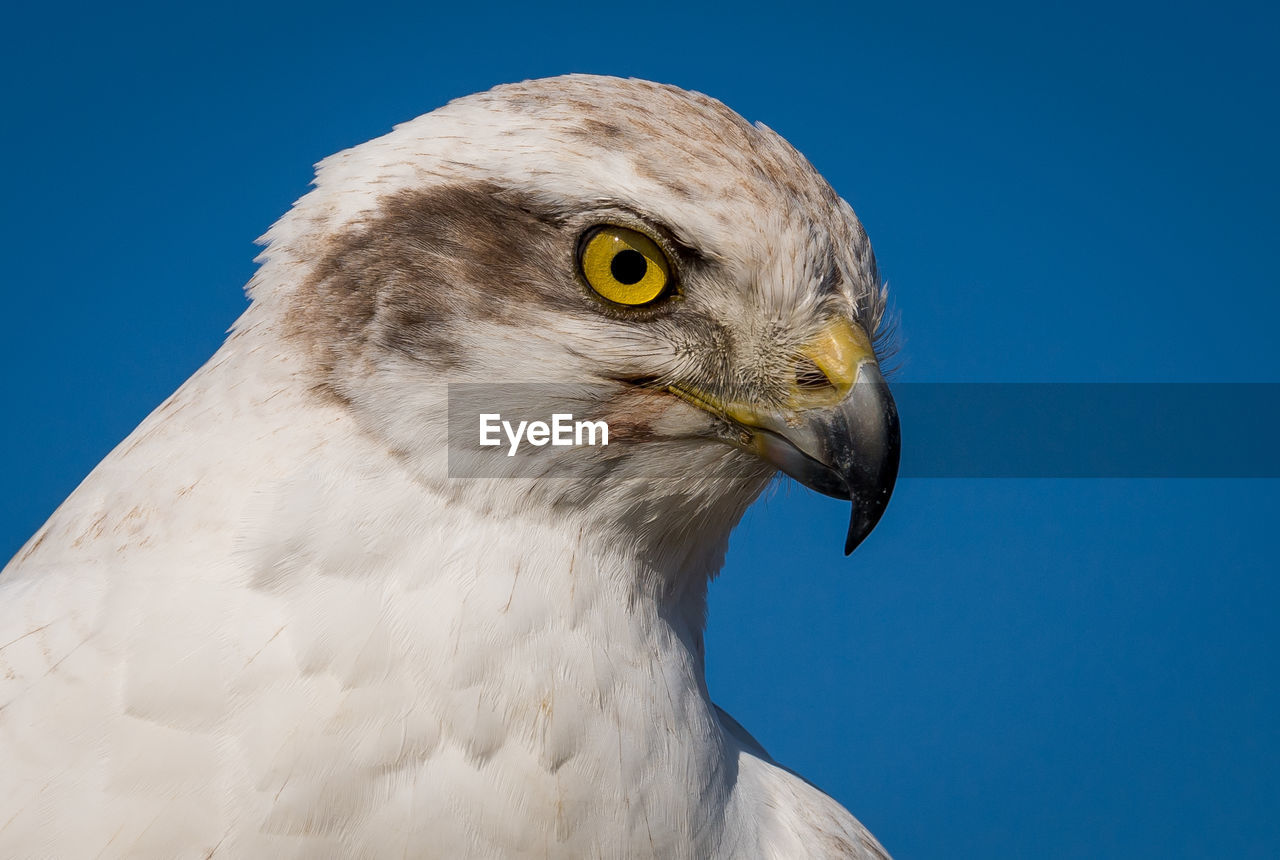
x,y
403,279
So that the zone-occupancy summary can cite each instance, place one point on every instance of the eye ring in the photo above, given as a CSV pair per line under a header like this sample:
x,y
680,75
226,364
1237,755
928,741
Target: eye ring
x,y
624,266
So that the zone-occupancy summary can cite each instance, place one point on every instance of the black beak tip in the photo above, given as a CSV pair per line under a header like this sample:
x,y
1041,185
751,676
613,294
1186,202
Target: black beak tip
x,y
866,515
860,525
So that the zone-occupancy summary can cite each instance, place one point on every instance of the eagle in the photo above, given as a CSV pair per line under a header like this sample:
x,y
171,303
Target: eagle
x,y
294,614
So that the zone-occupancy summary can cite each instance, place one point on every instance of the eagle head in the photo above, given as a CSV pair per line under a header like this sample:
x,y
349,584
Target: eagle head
x,y
613,249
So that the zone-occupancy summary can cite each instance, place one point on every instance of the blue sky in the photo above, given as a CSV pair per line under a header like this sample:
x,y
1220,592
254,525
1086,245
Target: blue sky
x,y
1078,192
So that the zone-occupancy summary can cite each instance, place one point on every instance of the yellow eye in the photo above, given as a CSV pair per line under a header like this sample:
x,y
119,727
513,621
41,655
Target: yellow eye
x,y
624,266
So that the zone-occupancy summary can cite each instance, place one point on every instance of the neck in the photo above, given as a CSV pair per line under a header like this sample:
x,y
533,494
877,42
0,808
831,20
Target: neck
x,y
439,634
508,649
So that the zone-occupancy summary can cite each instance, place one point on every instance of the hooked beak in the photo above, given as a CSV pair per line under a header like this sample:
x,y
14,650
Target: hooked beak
x,y
838,434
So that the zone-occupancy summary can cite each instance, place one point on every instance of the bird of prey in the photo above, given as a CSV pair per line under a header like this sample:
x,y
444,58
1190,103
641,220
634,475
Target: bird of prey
x,y
276,621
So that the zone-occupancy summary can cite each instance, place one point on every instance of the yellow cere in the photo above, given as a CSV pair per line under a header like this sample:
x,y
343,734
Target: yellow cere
x,y
625,266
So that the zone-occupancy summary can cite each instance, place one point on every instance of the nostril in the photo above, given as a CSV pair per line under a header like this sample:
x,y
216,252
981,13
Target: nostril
x,y
809,377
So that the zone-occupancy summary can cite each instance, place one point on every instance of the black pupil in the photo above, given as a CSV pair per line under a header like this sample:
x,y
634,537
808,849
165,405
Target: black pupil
x,y
628,266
